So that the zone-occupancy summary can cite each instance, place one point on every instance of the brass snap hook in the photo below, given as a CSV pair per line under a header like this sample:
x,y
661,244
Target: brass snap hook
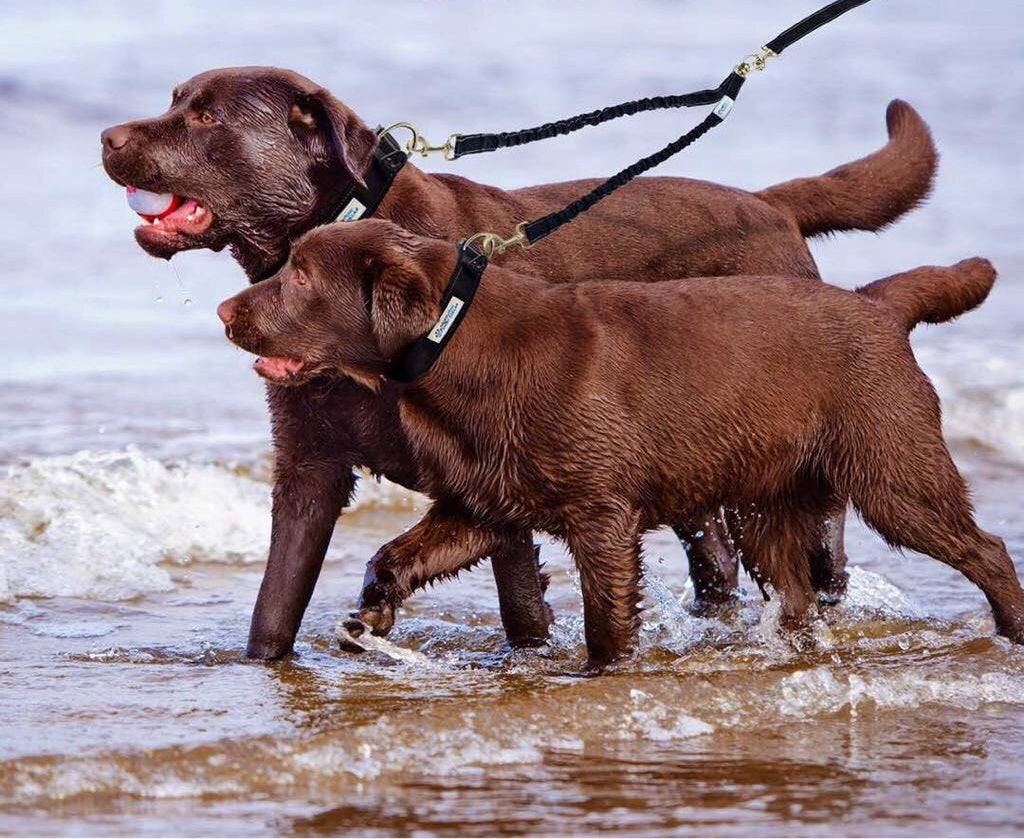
x,y
754,62
492,243
418,144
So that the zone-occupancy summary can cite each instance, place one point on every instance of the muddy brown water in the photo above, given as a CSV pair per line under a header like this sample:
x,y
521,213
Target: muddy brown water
x,y
904,717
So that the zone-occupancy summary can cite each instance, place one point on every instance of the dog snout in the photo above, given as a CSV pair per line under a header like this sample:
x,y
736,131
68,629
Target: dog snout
x,y
227,311
116,137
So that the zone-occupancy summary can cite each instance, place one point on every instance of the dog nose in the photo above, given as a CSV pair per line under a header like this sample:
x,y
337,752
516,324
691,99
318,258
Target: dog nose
x,y
115,137
226,311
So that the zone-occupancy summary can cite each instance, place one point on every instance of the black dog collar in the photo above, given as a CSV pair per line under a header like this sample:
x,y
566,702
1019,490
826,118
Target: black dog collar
x,y
420,355
361,202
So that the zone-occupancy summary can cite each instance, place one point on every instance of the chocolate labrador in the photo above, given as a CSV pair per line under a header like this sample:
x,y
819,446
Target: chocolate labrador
x,y
260,155
597,411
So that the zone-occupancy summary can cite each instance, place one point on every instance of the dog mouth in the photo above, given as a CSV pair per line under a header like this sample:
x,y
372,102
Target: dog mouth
x,y
280,369
169,214
169,218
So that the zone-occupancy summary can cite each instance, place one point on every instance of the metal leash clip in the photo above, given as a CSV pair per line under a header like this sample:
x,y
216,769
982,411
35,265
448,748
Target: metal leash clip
x,y
755,62
418,144
492,243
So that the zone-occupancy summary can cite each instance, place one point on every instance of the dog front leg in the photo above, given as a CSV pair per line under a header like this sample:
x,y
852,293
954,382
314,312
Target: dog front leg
x,y
443,543
308,499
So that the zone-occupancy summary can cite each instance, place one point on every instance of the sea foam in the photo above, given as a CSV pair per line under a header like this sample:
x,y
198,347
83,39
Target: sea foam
x,y
111,525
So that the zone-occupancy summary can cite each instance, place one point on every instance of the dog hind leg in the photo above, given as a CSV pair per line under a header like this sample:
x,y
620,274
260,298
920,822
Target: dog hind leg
x,y
919,501
907,488
773,537
713,562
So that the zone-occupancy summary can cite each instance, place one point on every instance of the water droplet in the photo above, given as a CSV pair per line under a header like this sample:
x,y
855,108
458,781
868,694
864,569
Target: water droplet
x,y
188,301
159,298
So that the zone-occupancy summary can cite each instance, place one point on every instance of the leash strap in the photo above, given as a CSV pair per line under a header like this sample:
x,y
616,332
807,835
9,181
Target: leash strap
x,y
420,355
810,23
529,233
479,143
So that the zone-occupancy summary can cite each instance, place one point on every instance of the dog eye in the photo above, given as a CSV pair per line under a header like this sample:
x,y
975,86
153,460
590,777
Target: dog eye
x,y
206,118
300,278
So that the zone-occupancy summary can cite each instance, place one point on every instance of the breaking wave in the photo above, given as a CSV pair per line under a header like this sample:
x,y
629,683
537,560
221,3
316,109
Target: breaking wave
x,y
111,525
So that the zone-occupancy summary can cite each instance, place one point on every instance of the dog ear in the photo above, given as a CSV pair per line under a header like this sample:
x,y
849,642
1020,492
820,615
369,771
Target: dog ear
x,y
332,132
403,305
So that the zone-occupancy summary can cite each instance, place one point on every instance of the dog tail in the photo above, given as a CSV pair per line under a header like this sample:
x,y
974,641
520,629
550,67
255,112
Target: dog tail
x,y
932,294
870,193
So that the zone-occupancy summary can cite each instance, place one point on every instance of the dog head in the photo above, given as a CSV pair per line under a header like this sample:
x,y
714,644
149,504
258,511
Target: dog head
x,y
257,155
351,296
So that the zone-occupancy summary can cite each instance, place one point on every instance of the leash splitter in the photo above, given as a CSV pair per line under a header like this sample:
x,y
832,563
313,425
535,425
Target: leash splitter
x,y
723,97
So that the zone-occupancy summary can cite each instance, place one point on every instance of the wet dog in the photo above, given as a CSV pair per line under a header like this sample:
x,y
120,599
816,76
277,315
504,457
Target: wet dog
x,y
600,410
260,155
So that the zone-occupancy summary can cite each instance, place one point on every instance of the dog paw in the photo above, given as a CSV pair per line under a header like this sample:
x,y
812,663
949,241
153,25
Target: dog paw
x,y
378,619
832,592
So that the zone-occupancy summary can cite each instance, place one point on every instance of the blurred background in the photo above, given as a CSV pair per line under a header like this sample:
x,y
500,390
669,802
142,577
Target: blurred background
x,y
134,508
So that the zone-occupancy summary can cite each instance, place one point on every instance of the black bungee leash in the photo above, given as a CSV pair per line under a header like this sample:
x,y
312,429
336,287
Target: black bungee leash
x,y
459,145
416,359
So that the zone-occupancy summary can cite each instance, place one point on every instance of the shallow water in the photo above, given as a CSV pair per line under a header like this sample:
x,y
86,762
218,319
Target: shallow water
x,y
134,512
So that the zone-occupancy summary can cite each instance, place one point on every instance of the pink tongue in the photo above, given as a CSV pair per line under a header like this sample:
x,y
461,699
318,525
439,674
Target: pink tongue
x,y
278,367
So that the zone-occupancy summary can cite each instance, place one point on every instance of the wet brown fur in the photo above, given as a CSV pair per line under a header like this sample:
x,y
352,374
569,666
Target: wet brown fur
x,y
273,159
600,410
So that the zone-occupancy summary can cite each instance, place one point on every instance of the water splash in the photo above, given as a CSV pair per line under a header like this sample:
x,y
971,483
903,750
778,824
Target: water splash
x,y
382,646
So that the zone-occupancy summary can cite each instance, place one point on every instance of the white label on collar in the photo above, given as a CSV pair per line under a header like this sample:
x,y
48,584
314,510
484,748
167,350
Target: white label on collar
x,y
353,211
444,323
723,107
